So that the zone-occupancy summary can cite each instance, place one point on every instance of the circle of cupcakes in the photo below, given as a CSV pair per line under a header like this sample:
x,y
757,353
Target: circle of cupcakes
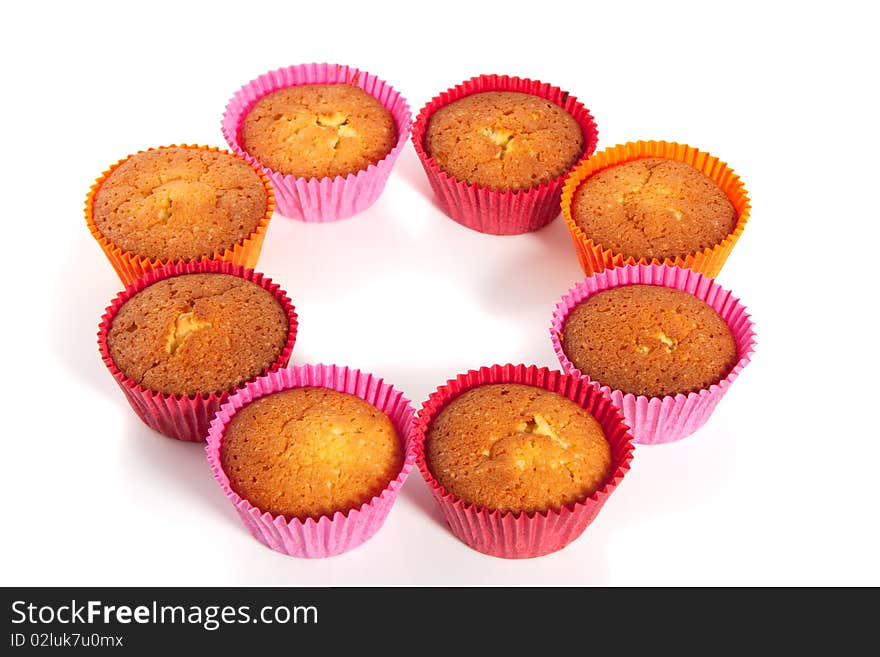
x,y
179,340
326,135
520,459
664,342
496,150
313,457
179,204
654,202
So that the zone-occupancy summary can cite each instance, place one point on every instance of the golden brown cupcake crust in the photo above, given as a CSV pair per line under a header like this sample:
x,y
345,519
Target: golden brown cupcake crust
x,y
180,203
649,340
308,452
318,130
653,208
504,139
516,447
198,333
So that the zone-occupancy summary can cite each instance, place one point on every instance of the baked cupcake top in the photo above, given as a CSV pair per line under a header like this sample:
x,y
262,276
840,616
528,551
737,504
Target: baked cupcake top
x,y
318,130
514,447
180,203
308,452
649,340
197,333
504,139
653,208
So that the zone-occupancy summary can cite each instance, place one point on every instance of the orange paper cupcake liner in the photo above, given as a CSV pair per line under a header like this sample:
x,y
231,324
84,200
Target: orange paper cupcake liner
x,y
130,266
595,258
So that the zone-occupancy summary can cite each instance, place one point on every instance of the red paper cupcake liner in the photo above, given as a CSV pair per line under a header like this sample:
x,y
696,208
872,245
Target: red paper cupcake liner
x,y
495,211
326,536
320,199
185,417
662,419
523,535
130,266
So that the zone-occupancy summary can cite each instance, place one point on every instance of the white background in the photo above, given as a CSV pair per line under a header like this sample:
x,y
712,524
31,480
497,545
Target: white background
x,y
779,488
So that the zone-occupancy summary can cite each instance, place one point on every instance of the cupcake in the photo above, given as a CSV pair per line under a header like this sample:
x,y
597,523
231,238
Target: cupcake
x,y
326,136
312,457
179,204
179,340
520,459
318,130
503,140
664,342
496,150
654,202
649,340
514,447
308,452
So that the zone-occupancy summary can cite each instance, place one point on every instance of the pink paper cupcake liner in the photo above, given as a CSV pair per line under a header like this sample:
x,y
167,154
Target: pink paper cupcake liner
x,y
657,420
524,535
490,210
185,417
320,199
328,535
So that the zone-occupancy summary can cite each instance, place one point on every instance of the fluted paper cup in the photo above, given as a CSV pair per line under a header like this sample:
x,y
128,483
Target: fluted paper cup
x,y
521,535
495,211
344,530
662,419
321,199
595,257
